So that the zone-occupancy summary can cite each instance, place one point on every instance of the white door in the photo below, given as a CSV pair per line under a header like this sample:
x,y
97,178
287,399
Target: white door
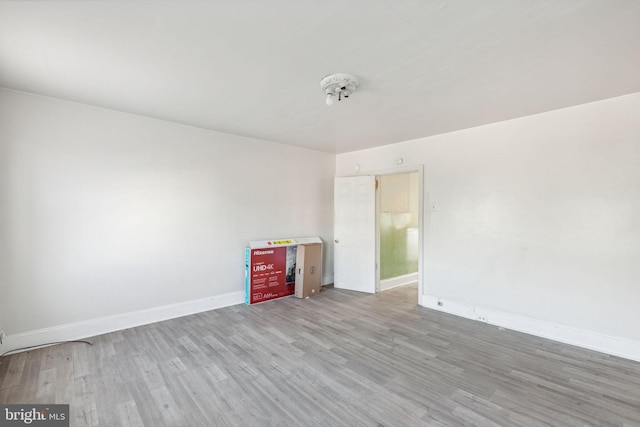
x,y
355,233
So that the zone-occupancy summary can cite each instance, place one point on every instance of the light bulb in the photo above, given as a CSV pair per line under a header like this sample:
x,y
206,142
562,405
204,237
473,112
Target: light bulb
x,y
329,99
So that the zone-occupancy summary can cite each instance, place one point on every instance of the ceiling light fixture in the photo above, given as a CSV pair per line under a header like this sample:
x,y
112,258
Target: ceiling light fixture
x,y
338,86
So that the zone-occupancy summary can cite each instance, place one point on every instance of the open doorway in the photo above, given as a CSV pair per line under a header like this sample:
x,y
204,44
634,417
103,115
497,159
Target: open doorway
x,y
398,230
357,213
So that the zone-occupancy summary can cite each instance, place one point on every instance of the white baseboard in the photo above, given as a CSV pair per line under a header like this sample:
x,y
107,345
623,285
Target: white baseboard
x,y
104,325
394,282
615,346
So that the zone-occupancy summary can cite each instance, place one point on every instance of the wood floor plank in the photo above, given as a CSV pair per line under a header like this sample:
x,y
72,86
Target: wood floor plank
x,y
13,369
340,358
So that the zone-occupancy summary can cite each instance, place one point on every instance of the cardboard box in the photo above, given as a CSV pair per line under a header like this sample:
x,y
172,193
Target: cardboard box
x,y
308,270
270,268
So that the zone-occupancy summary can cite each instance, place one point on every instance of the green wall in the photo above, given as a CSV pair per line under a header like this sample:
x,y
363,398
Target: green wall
x,y
398,225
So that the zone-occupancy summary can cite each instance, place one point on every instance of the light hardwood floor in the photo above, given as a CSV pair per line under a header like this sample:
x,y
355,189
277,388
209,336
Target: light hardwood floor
x,y
337,359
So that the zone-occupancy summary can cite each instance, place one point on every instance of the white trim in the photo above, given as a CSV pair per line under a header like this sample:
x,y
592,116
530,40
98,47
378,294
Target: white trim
x,y
421,224
394,282
615,346
378,208
104,325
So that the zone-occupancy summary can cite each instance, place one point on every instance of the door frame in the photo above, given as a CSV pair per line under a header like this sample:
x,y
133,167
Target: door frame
x,y
394,171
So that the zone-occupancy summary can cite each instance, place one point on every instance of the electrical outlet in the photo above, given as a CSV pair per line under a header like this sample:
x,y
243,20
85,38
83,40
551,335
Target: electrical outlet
x,y
482,318
2,335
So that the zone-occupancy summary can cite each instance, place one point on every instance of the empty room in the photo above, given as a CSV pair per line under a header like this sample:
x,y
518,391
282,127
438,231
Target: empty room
x,y
303,213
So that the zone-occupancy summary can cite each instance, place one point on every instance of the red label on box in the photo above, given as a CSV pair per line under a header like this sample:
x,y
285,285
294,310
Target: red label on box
x,y
272,273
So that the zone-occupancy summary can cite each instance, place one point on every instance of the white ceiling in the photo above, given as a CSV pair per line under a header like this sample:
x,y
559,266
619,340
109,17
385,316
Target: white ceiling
x,y
253,67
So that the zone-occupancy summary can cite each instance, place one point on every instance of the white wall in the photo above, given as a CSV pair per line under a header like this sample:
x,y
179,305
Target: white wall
x,y
538,217
104,213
